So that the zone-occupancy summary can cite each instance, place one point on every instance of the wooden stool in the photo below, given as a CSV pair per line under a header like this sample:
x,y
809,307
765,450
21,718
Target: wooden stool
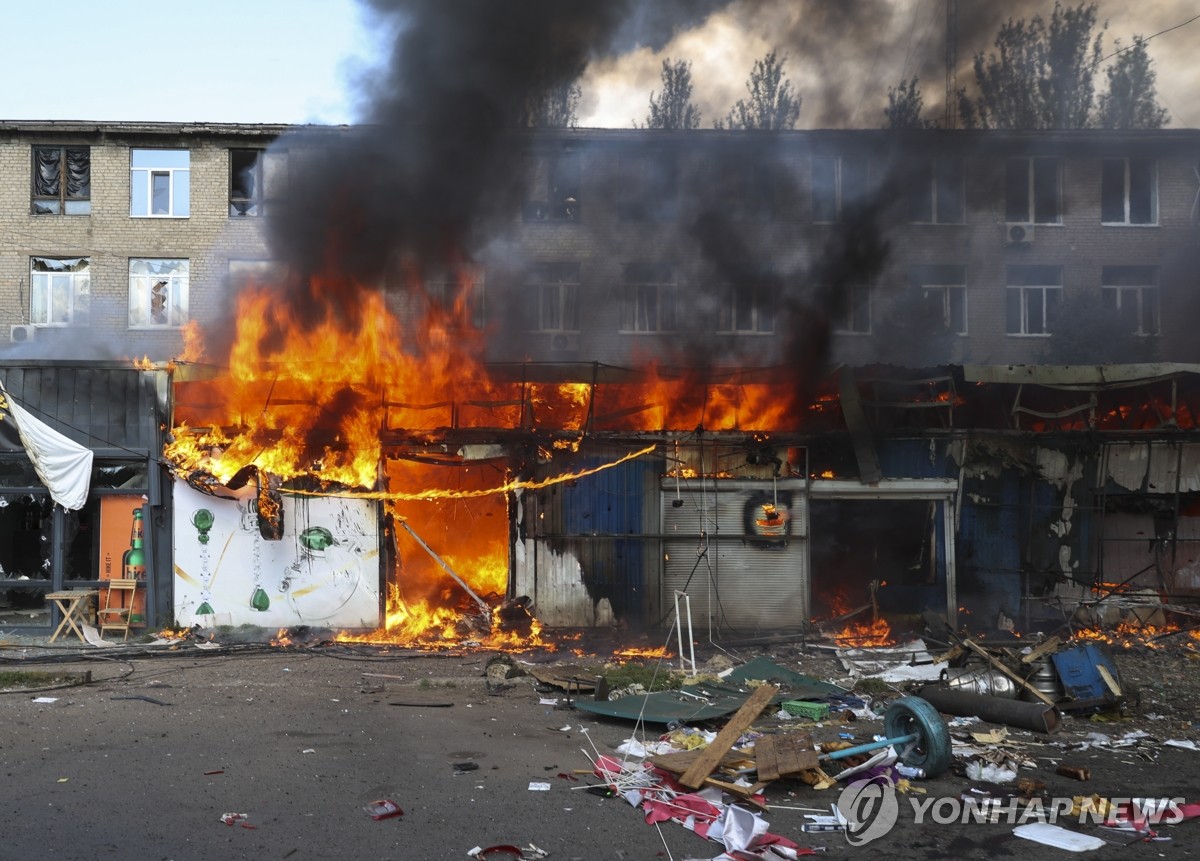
x,y
73,604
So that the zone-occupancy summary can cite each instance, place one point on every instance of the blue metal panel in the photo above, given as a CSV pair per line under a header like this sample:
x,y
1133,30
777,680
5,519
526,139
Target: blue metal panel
x,y
916,458
989,546
602,517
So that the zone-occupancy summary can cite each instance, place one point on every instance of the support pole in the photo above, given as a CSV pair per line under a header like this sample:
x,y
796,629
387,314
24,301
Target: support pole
x,y
483,607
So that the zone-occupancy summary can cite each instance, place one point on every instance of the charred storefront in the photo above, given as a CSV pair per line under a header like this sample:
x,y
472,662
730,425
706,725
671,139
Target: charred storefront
x,y
1026,497
81,459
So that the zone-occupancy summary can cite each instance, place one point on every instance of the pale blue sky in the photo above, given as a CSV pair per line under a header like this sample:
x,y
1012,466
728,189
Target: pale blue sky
x,y
296,61
242,61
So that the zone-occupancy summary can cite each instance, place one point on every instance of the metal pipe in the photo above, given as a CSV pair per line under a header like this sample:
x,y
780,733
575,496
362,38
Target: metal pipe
x,y
870,746
1034,716
483,606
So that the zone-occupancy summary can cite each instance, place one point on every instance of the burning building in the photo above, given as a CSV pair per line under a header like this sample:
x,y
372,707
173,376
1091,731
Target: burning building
x,y
434,365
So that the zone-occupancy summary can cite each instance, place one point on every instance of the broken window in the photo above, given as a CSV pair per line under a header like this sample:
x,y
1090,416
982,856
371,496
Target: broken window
x,y
1129,191
851,314
62,180
943,291
158,293
60,290
459,291
159,183
936,193
649,296
839,186
1132,291
1033,292
748,304
258,181
1032,191
553,294
554,188
647,191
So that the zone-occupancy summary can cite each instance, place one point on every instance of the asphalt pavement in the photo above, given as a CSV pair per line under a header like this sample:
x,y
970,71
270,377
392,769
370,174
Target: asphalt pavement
x,y
266,753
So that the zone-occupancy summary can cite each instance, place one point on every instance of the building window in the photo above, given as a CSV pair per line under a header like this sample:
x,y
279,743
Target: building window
x,y
1033,293
256,273
943,292
748,304
839,185
159,183
648,299
60,290
1133,292
258,181
62,180
1129,191
459,292
936,196
647,191
744,187
555,189
851,314
553,291
1033,191
158,293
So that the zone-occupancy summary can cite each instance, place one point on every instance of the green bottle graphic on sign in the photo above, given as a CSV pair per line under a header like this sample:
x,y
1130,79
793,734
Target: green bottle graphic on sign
x,y
133,562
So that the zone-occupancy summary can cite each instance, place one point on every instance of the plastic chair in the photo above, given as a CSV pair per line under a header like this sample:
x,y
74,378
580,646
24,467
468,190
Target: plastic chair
x,y
116,613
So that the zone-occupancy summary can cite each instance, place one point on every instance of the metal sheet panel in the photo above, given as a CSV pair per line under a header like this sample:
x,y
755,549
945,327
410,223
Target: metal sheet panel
x,y
737,572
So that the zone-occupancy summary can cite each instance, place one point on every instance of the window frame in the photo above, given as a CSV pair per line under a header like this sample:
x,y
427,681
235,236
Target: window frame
x,y
178,183
78,312
1147,292
554,291
1030,190
836,186
64,201
752,298
1026,292
559,175
460,291
856,317
937,279
1127,182
934,185
141,293
649,298
270,172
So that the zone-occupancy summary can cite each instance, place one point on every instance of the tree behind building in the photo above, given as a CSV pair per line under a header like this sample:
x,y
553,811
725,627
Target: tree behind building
x,y
773,103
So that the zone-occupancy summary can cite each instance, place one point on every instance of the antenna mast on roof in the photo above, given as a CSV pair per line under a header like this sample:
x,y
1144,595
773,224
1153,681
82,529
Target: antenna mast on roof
x,y
951,63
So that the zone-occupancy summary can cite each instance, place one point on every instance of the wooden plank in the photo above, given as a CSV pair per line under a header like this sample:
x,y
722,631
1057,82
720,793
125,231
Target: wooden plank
x,y
1049,647
779,755
679,761
729,734
744,793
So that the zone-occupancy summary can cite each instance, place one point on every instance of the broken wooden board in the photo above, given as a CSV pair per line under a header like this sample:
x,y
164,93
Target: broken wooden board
x,y
780,755
679,761
568,677
729,734
1048,647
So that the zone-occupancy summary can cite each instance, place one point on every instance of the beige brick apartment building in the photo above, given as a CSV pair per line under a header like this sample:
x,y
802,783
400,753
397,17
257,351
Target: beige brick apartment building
x,y
114,235
975,264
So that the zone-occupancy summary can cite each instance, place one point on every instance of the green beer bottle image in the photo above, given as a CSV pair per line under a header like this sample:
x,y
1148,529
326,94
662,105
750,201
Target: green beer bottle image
x,y
133,562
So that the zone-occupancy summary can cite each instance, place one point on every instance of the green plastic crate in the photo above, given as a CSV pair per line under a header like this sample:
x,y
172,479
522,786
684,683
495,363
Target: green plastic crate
x,y
800,708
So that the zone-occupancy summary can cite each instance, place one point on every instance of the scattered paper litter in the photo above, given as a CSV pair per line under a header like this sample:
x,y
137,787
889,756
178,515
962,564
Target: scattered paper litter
x,y
1058,837
538,786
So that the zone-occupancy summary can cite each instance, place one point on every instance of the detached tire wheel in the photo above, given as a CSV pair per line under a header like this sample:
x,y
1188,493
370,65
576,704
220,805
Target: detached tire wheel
x,y
932,750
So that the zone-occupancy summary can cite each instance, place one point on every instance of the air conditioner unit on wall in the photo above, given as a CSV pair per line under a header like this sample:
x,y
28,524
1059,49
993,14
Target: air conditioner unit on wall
x,y
1018,232
564,342
21,333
